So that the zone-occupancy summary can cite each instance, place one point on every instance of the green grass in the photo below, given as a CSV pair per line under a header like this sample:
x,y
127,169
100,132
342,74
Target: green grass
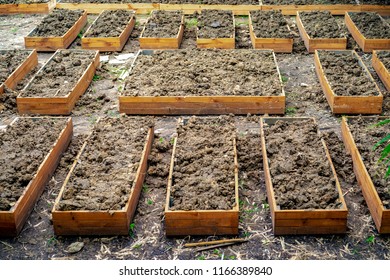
x,y
284,78
131,229
96,78
191,22
150,202
291,111
370,239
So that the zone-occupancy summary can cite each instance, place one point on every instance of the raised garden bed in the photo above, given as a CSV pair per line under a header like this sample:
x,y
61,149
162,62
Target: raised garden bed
x,y
163,30
381,7
110,31
360,135
369,30
381,64
216,29
269,30
57,86
26,6
15,65
101,192
319,30
202,194
203,82
303,191
30,151
347,83
57,30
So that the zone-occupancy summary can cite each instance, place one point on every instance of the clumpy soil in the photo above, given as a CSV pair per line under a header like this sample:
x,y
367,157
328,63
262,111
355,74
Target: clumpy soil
x,y
105,173
366,136
22,1
215,24
307,2
60,75
371,25
203,172
384,57
204,73
270,24
110,24
345,75
91,1
8,104
23,147
374,2
9,61
163,24
320,24
301,175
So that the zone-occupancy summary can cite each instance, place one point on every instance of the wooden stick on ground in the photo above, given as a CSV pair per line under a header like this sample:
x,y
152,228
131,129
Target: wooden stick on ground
x,y
237,240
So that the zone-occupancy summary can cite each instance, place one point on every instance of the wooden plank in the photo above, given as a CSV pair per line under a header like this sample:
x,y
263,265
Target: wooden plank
x,y
28,8
189,9
381,70
383,10
305,230
292,10
97,8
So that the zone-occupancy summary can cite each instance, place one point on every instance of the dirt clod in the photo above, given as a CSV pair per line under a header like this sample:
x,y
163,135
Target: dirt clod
x,y
320,24
215,24
269,24
163,24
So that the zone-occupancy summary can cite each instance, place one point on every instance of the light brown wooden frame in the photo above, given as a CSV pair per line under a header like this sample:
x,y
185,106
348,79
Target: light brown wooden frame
x,y
189,9
32,8
381,70
291,10
97,8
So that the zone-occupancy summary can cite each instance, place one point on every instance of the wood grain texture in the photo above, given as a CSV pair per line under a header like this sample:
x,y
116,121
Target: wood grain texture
x,y
381,70
97,8
189,9
291,10
32,8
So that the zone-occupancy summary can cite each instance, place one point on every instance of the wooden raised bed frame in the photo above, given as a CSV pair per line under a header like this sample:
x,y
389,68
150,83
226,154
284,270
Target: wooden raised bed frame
x,y
189,9
313,44
97,8
32,8
349,104
115,222
12,221
367,45
380,215
203,105
306,221
201,222
62,105
156,43
55,43
21,71
278,45
291,10
107,43
381,70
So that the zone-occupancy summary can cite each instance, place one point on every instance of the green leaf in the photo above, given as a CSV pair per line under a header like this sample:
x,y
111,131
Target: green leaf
x,y
383,140
383,122
385,153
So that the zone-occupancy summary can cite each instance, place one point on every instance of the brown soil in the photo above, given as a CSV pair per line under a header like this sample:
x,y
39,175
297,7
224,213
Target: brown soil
x,y
346,76
22,1
374,2
8,104
110,24
203,172
366,136
371,25
105,174
199,2
215,24
91,1
163,24
9,61
269,24
307,2
23,147
57,23
60,75
204,73
321,24
301,174
384,57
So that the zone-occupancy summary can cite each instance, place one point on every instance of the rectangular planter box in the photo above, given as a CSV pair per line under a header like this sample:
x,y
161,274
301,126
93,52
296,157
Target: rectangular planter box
x,y
278,45
57,105
114,222
33,8
292,10
367,45
162,43
383,10
55,43
380,215
313,44
97,8
189,9
381,70
19,73
108,43
291,222
349,104
12,221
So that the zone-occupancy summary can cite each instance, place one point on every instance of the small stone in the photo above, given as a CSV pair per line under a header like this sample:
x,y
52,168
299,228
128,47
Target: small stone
x,y
75,247
304,85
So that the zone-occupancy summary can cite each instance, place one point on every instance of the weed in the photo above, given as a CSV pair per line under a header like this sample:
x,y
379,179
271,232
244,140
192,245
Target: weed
x,y
131,229
247,234
137,23
232,257
291,111
172,141
265,205
161,140
145,188
52,241
137,246
385,154
92,119
192,22
370,239
80,35
284,78
120,88
150,202
96,78
14,30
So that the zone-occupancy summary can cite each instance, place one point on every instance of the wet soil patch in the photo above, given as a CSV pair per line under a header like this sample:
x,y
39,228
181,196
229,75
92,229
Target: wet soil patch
x,y
23,147
9,61
163,24
384,57
320,24
215,24
301,174
110,24
270,24
204,73
203,172
105,173
371,25
345,75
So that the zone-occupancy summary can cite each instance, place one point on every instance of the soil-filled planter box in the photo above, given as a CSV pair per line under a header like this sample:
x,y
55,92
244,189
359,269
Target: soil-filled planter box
x,y
163,30
110,31
347,83
216,29
369,30
190,82
360,135
57,30
55,89
102,189
202,194
319,30
303,191
381,7
27,7
381,64
30,151
15,65
269,30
